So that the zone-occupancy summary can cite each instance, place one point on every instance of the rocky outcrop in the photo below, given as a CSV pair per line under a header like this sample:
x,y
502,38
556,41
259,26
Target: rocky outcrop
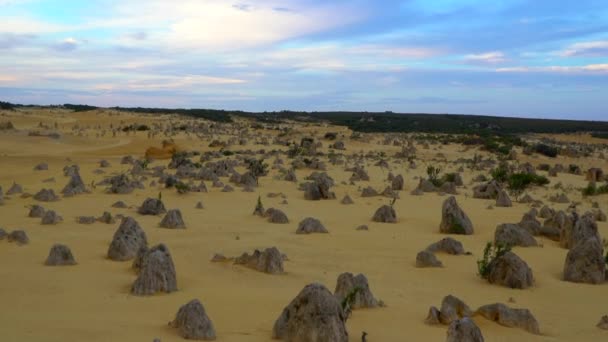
x,y
347,283
192,322
453,219
315,315
157,273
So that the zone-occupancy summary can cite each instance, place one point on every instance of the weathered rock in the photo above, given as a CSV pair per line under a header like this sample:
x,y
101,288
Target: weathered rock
x,y
509,270
503,200
453,219
276,216
269,260
385,214
509,317
122,184
603,323
397,183
509,234
530,223
36,211
86,219
599,215
489,190
347,200
359,174
464,330
594,174
448,188
157,273
199,205
315,315
46,195
152,206
75,186
453,309
41,167
310,225
426,259
192,322
546,212
173,220
369,192
433,316
290,176
320,187
60,255
426,186
106,218
127,160
526,199
557,223
561,198
585,262
127,240
447,245
14,189
51,217
347,282
104,163
584,227
120,205
18,236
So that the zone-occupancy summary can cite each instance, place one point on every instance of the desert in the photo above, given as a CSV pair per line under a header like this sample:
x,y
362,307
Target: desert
x,y
257,231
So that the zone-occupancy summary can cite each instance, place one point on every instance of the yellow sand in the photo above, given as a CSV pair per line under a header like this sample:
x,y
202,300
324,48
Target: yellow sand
x,y
91,301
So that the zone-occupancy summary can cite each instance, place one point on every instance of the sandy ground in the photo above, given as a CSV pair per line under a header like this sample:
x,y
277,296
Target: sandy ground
x,y
91,301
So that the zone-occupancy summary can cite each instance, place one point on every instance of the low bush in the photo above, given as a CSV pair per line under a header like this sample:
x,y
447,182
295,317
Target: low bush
x,y
490,253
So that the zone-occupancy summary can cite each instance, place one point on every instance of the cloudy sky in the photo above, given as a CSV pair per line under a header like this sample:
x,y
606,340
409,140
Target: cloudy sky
x,y
534,58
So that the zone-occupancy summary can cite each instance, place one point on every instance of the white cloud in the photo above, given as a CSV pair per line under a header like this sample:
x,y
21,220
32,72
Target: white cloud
x,y
494,57
67,44
220,25
587,49
7,78
24,25
591,68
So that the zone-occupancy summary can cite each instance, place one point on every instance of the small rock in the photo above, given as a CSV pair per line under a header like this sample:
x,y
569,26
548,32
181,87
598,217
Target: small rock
x,y
311,225
18,236
464,330
173,220
60,255
426,259
193,323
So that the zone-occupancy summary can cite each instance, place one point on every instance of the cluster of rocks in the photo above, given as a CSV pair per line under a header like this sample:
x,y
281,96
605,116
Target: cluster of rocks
x,y
461,326
427,257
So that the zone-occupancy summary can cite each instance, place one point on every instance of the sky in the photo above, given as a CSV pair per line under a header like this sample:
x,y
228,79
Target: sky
x,y
530,58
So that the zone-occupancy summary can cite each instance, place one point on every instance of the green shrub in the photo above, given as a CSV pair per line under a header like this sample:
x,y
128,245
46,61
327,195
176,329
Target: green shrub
x,y
520,181
257,168
349,300
449,177
593,190
433,173
546,150
500,174
490,253
182,188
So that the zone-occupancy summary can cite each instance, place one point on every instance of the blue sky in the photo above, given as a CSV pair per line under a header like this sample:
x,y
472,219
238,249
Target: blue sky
x,y
533,58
